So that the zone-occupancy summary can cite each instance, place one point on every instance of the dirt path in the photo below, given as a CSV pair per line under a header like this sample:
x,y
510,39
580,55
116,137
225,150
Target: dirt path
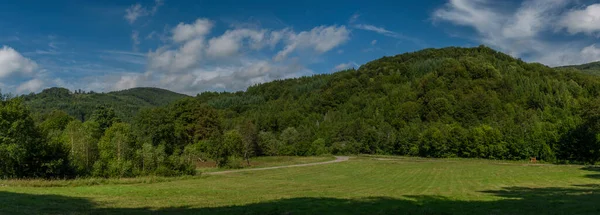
x,y
337,160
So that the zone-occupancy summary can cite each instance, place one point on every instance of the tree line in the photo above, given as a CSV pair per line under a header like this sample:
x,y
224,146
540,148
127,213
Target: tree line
x,y
450,102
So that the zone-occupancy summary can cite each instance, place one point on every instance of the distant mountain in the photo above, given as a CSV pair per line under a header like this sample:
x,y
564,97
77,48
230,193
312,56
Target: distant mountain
x,y
589,68
81,105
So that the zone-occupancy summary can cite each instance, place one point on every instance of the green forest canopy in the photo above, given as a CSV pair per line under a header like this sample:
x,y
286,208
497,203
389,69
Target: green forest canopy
x,y
82,104
449,102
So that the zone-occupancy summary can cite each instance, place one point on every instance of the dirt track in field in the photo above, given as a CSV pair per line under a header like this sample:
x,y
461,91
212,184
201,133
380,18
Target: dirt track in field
x,y
337,160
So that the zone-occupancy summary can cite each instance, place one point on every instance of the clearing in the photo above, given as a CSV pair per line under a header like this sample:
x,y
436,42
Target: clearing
x,y
363,185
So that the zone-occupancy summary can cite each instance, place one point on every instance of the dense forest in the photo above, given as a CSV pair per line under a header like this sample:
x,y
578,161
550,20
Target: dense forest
x,y
81,104
589,68
450,102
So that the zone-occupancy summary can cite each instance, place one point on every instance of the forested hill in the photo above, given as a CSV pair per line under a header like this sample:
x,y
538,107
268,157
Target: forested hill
x,y
450,102
81,104
589,68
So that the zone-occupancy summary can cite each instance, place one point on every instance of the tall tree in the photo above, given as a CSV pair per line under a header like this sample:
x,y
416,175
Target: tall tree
x,y
105,117
83,141
24,151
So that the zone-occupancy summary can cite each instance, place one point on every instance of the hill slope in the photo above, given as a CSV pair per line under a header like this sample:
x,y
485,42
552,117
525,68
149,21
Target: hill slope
x,y
589,68
450,102
81,105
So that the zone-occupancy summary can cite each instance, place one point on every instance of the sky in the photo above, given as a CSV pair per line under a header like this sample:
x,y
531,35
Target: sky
x,y
225,45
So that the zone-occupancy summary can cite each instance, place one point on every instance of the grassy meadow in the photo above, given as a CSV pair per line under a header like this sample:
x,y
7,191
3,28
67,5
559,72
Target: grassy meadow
x,y
362,185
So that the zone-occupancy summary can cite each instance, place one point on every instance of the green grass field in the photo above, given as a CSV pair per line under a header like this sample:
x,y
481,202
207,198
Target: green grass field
x,y
363,185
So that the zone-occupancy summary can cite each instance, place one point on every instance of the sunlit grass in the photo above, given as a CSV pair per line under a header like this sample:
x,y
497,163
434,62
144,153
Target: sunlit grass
x,y
363,185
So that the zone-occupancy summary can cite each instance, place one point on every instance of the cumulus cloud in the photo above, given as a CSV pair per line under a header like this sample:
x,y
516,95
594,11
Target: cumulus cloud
x,y
193,62
230,42
320,39
582,21
126,82
185,57
12,62
193,59
521,32
33,85
184,32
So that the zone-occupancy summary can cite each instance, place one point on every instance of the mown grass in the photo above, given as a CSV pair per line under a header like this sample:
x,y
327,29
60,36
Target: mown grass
x,y
360,186
260,162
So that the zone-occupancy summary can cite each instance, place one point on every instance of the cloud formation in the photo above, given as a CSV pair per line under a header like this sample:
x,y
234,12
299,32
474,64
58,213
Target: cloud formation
x,y
320,39
344,66
33,85
136,11
12,63
582,21
196,60
524,31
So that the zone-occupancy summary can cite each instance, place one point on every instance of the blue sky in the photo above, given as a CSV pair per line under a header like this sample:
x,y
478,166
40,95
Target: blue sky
x,y
194,46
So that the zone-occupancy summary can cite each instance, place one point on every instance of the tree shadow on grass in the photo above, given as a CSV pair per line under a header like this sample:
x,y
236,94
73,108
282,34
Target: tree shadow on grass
x,y
592,169
580,199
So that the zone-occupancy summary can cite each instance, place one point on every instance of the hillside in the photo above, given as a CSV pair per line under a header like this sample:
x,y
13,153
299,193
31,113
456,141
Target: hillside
x,y
126,103
589,68
450,102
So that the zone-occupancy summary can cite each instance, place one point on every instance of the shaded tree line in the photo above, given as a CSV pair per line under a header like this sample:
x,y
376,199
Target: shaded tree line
x,y
61,146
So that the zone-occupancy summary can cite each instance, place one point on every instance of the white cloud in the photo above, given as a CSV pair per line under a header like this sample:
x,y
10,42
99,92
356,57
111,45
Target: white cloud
x,y
187,56
373,42
33,85
345,66
137,11
151,35
193,62
183,32
12,62
53,45
591,53
582,21
123,56
126,82
532,17
354,18
519,32
135,38
375,29
230,42
320,39
388,33
134,12
157,4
